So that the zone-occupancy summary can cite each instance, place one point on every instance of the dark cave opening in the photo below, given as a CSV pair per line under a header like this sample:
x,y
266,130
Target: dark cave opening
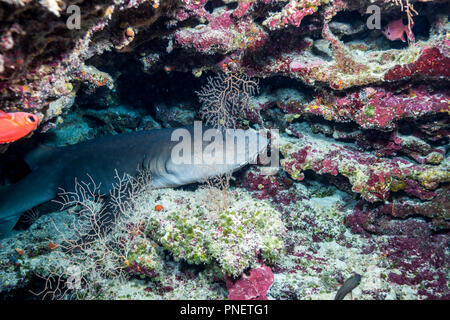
x,y
353,23
211,5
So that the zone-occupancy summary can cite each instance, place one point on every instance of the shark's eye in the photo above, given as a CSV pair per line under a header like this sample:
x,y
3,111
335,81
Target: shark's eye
x,y
31,119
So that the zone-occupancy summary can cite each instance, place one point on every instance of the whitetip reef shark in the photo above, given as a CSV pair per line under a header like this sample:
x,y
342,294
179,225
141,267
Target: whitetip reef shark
x,y
103,158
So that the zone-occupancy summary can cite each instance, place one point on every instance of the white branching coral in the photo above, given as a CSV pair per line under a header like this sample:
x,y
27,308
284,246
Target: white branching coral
x,y
93,248
225,98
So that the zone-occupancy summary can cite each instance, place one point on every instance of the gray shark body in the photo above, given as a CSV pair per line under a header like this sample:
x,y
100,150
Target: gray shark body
x,y
101,159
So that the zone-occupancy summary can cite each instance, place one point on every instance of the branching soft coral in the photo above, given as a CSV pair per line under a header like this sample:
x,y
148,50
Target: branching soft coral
x,y
407,7
225,98
96,245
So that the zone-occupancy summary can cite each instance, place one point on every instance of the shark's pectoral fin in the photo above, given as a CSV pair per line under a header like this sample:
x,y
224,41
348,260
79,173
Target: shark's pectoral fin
x,y
7,223
20,197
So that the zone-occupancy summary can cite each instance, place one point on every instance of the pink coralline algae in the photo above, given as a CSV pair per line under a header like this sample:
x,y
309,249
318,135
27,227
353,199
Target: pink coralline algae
x,y
292,14
347,69
422,261
373,107
432,63
372,177
272,187
391,218
410,245
391,144
305,67
222,33
243,8
251,287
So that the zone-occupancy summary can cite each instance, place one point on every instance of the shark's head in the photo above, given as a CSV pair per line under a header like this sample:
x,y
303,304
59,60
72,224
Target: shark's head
x,y
242,147
211,152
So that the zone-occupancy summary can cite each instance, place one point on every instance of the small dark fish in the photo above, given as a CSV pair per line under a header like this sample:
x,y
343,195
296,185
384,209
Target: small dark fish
x,y
349,284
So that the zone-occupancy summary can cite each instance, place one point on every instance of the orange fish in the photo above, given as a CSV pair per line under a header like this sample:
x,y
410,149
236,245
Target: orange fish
x,y
52,245
16,125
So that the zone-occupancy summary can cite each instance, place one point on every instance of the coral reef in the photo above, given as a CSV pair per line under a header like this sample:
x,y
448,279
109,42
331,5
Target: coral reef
x,y
261,38
251,287
373,177
36,70
227,242
363,120
232,238
225,98
320,254
373,107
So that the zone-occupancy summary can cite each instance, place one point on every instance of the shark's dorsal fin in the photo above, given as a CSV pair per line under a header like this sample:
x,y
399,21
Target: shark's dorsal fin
x,y
38,155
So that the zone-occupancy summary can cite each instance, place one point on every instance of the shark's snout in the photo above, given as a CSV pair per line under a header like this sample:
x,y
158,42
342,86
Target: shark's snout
x,y
215,152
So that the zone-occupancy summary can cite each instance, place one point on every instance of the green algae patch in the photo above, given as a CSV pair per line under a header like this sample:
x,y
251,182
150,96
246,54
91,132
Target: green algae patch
x,y
231,239
369,111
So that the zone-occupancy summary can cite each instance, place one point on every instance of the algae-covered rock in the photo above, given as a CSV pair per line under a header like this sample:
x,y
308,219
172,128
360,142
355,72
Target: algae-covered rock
x,y
231,238
371,176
